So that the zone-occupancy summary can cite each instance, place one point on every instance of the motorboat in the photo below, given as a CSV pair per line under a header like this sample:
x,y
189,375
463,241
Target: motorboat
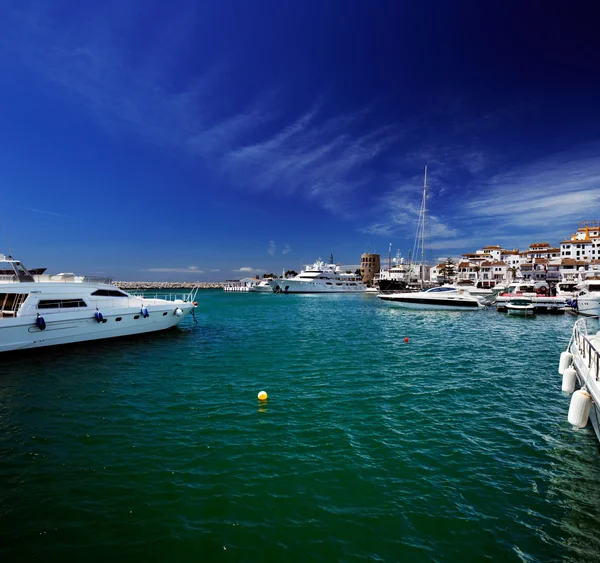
x,y
44,310
587,301
479,288
320,278
445,297
263,286
539,293
248,285
580,367
520,305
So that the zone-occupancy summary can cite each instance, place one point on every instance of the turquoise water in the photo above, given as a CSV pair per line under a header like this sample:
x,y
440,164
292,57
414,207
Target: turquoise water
x,y
451,447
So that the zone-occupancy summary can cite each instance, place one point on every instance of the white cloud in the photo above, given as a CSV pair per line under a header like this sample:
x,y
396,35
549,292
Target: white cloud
x,y
249,269
215,270
286,249
188,270
271,248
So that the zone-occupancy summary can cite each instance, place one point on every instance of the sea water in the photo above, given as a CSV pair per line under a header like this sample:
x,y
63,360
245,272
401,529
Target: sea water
x,y
452,446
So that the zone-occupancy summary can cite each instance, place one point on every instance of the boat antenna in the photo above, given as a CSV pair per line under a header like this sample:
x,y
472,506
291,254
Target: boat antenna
x,y
6,236
390,259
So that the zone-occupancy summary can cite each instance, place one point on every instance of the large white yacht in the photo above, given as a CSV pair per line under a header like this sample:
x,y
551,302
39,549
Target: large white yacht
x,y
320,278
445,297
44,310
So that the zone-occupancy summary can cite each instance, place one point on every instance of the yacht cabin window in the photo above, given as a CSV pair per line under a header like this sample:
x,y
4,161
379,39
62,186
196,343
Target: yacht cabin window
x,y
61,303
108,293
10,303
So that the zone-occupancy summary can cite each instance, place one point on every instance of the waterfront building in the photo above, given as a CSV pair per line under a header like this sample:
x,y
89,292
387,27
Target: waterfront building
x,y
584,244
493,272
370,264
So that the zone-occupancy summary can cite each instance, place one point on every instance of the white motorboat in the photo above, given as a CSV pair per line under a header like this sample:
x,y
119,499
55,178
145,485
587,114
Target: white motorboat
x,y
320,278
520,305
580,366
37,311
445,297
538,293
587,301
263,286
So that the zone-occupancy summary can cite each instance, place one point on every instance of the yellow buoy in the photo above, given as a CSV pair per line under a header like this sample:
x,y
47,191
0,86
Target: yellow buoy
x,y
262,396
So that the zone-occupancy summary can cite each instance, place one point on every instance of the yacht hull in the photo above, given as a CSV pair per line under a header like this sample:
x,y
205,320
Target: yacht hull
x,y
431,304
288,286
21,333
585,362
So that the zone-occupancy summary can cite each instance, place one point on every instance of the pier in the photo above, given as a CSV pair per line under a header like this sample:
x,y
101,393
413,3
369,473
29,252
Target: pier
x,y
167,285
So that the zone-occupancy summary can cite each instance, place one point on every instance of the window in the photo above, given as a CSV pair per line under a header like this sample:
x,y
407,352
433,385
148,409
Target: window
x,y
118,319
61,303
109,293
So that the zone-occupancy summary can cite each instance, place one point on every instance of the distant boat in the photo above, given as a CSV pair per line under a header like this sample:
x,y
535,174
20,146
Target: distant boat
x,y
320,278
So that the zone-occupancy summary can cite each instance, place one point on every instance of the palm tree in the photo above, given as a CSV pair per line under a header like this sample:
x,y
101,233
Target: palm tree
x,y
513,271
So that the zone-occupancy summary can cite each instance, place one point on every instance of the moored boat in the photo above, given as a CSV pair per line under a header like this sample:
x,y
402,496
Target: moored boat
x,y
580,367
446,297
320,278
51,310
522,306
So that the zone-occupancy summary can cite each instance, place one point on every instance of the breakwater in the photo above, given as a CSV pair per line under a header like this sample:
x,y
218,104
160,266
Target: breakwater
x,y
167,285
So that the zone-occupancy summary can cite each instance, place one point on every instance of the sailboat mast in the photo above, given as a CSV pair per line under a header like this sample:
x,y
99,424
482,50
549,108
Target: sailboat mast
x,y
423,227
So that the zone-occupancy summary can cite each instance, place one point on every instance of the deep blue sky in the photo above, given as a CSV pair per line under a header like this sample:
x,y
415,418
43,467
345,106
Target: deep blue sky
x,y
188,140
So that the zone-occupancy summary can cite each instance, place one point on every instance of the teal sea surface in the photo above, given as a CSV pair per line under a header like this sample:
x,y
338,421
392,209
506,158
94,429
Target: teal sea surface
x,y
453,446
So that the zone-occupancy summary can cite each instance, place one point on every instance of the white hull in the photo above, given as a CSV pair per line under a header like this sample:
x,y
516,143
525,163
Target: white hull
x,y
290,286
589,306
431,307
444,298
520,311
21,333
587,365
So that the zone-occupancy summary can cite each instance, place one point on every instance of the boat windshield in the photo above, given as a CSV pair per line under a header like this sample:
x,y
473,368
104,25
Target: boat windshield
x,y
440,289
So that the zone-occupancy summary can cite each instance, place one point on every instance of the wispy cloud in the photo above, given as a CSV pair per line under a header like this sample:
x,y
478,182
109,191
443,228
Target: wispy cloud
x,y
249,269
188,270
46,212
271,248
286,249
320,154
214,270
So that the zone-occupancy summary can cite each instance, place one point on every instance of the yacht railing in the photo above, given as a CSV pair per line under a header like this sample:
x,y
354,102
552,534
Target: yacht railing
x,y
588,351
187,297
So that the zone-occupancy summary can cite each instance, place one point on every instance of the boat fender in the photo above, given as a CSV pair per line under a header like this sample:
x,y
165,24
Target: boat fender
x,y
40,322
178,312
579,409
568,380
98,316
144,312
565,362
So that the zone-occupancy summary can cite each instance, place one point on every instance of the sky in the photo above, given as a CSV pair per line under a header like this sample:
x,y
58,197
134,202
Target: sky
x,y
146,140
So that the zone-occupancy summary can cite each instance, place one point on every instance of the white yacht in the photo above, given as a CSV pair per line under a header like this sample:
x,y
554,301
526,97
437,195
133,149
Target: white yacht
x,y
320,278
587,301
37,311
539,293
445,297
263,286
580,366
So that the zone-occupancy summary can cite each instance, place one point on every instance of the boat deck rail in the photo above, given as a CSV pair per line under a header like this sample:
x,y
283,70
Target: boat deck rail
x,y
188,297
587,349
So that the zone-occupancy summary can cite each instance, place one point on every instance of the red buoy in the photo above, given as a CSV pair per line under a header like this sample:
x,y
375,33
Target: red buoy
x,y
406,339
